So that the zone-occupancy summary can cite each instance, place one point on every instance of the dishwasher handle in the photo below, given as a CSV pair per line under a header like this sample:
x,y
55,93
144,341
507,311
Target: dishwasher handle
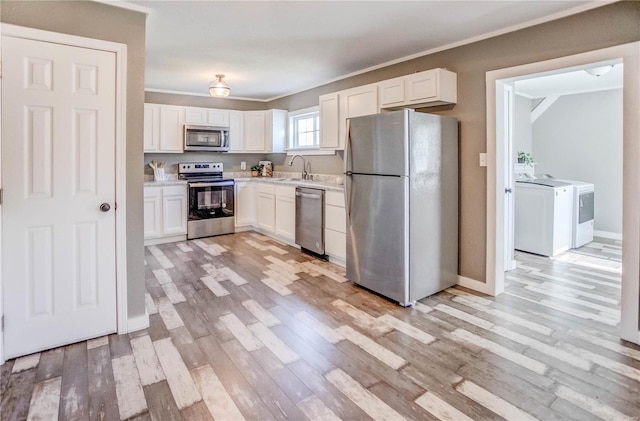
x,y
309,196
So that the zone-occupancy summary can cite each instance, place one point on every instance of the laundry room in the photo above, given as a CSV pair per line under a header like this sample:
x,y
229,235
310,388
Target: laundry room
x,y
567,145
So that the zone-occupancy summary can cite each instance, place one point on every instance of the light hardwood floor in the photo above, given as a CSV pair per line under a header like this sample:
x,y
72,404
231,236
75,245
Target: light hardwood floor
x,y
244,327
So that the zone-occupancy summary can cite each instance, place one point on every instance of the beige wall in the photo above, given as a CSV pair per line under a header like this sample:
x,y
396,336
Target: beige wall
x,y
615,24
96,20
203,101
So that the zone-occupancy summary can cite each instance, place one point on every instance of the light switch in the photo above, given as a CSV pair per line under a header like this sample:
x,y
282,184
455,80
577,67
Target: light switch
x,y
483,159
243,165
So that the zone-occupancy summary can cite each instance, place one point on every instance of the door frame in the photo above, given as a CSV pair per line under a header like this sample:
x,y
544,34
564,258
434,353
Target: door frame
x,y
630,55
120,51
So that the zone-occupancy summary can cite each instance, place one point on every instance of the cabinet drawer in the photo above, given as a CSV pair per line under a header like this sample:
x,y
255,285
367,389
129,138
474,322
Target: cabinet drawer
x,y
266,188
335,243
335,198
286,191
335,218
174,190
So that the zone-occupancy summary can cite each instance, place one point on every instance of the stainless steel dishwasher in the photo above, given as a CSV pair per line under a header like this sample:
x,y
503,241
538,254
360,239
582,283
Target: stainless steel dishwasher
x,y
310,219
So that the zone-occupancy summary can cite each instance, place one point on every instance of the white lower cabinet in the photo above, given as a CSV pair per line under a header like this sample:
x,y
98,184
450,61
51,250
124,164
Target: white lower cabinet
x,y
245,204
286,212
152,212
165,211
174,210
267,207
335,226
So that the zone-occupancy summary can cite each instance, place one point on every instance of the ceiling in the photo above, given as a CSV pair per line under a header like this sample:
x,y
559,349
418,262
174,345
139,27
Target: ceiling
x,y
269,49
570,82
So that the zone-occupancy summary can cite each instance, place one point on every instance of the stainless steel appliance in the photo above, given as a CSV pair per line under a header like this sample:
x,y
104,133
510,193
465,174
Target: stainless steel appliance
x,y
206,138
401,196
211,199
310,219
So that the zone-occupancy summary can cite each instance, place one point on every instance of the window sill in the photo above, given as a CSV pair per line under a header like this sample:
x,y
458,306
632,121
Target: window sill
x,y
307,151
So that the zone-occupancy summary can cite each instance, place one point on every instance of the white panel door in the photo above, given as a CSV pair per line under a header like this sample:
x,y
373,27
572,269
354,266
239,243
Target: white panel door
x,y
245,204
235,131
329,121
58,167
286,212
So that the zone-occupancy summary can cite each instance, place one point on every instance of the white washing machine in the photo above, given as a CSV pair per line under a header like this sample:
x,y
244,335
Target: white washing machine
x,y
543,216
583,212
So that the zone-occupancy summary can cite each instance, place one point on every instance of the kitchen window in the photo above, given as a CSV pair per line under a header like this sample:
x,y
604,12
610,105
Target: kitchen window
x,y
304,129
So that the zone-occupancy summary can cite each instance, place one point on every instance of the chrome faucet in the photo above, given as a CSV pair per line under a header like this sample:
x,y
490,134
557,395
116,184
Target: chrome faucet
x,y
305,174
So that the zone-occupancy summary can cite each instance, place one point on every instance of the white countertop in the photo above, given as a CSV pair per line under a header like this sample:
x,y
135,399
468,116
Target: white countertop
x,y
325,185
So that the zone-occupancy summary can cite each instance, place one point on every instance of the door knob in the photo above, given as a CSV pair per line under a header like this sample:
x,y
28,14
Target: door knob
x,y
105,207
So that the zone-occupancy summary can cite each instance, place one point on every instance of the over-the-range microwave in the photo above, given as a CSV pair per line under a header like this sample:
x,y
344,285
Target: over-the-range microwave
x,y
206,138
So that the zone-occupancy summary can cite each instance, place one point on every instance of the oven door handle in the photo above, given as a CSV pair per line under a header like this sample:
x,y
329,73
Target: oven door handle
x,y
212,184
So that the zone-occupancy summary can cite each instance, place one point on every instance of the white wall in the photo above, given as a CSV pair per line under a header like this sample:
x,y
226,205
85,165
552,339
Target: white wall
x,y
580,138
522,130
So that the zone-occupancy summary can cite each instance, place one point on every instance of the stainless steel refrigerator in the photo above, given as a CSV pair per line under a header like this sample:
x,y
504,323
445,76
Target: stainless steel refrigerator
x,y
401,197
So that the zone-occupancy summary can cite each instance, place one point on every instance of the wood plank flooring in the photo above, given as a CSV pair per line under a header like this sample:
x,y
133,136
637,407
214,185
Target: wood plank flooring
x,y
244,327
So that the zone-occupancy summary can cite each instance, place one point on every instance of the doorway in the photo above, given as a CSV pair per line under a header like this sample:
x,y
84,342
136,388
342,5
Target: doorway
x,y
499,161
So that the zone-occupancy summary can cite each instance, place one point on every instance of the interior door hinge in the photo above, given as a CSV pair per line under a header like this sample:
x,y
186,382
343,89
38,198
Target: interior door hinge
x,y
2,323
0,196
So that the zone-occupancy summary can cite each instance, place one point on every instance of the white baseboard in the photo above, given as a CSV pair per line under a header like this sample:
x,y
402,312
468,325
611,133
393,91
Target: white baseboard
x,y
607,234
163,240
473,284
337,260
138,322
244,228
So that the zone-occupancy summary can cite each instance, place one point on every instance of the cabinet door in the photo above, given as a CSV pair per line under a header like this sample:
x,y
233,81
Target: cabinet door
x,y
171,129
235,131
391,91
329,119
174,210
286,212
218,118
266,211
152,213
194,115
422,86
335,243
254,131
356,102
245,204
151,127
276,130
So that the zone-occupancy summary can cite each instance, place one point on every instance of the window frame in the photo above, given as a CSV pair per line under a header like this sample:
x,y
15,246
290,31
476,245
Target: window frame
x,y
294,117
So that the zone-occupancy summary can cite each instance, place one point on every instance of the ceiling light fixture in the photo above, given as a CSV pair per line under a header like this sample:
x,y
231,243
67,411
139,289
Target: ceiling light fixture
x,y
600,70
219,87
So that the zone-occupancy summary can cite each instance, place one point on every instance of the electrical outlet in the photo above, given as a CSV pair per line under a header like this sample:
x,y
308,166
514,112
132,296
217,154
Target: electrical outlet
x,y
483,159
243,165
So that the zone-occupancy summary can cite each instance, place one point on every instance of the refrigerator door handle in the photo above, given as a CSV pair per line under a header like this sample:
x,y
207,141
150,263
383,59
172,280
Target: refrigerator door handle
x,y
349,187
348,159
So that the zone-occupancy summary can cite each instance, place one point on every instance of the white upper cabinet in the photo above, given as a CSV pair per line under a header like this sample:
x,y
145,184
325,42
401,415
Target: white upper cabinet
x,y
356,102
236,143
163,128
391,92
253,131
194,115
264,131
171,129
329,121
276,130
422,89
151,127
207,116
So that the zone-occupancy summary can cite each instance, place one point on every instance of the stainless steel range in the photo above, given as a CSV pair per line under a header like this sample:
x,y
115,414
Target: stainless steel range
x,y
211,199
